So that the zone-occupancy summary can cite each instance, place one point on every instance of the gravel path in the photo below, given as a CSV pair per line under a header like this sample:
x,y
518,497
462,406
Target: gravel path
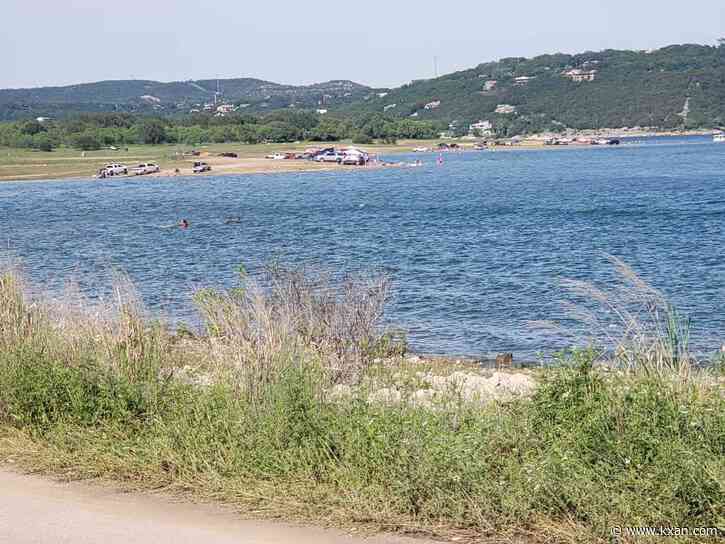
x,y
38,511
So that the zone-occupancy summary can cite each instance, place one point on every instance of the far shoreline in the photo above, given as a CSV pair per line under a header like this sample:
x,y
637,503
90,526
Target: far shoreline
x,y
66,164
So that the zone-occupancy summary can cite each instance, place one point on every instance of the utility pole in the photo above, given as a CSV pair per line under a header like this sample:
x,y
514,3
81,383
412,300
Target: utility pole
x,y
435,66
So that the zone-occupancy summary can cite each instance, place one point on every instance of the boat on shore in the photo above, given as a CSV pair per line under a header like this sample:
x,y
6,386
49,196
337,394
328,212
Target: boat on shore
x,y
718,137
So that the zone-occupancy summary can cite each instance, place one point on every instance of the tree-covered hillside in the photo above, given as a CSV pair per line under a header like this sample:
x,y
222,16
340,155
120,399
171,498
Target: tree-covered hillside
x,y
98,130
676,86
680,86
180,97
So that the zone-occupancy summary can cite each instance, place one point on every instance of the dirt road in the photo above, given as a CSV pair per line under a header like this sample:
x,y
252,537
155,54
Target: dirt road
x,y
39,511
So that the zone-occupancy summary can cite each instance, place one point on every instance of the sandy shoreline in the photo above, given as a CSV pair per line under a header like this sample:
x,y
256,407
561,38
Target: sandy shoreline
x,y
244,168
226,166
71,165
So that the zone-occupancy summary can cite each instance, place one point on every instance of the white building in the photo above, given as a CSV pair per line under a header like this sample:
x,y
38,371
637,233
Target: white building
x,y
523,80
578,75
225,108
482,128
490,85
433,105
505,109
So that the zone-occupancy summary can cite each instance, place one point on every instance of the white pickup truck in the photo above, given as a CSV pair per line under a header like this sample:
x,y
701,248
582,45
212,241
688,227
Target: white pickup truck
x,y
115,169
200,167
329,157
146,168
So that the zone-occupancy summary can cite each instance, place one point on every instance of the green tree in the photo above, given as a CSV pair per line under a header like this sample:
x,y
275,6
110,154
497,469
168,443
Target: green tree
x,y
42,142
31,128
361,138
87,141
328,130
152,131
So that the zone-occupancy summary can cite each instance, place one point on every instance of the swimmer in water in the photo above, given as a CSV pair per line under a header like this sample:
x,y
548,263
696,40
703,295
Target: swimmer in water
x,y
184,224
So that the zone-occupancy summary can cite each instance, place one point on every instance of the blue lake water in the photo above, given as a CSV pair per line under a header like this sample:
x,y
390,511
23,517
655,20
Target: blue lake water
x,y
477,247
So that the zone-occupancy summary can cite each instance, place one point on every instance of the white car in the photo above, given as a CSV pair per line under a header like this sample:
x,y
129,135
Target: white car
x,y
115,169
329,157
355,159
277,157
200,167
146,168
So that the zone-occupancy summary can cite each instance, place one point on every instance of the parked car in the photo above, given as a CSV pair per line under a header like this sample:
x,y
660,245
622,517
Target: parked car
x,y
314,152
329,157
200,167
354,159
146,168
277,156
115,169
229,155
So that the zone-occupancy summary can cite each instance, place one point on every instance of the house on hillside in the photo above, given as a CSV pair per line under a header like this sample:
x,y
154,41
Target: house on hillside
x,y
505,109
433,105
522,81
579,76
482,128
490,85
223,109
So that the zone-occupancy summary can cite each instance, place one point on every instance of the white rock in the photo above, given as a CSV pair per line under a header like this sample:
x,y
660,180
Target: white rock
x,y
385,395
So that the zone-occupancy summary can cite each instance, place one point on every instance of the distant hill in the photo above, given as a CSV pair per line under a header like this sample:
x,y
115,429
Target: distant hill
x,y
676,86
142,96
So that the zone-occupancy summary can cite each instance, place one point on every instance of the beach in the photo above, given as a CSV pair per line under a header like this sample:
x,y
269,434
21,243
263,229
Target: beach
x,y
65,163
72,164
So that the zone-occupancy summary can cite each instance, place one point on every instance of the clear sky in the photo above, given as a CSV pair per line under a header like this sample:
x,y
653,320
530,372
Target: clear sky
x,y
376,42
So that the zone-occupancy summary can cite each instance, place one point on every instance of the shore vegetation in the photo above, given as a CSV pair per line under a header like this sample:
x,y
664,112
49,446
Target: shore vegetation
x,y
95,131
291,398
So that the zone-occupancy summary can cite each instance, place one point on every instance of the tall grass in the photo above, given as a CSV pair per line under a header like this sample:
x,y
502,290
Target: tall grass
x,y
642,331
297,314
242,413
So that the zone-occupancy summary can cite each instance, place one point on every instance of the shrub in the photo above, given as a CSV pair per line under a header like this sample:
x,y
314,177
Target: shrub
x,y
362,139
152,131
42,142
86,141
245,413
